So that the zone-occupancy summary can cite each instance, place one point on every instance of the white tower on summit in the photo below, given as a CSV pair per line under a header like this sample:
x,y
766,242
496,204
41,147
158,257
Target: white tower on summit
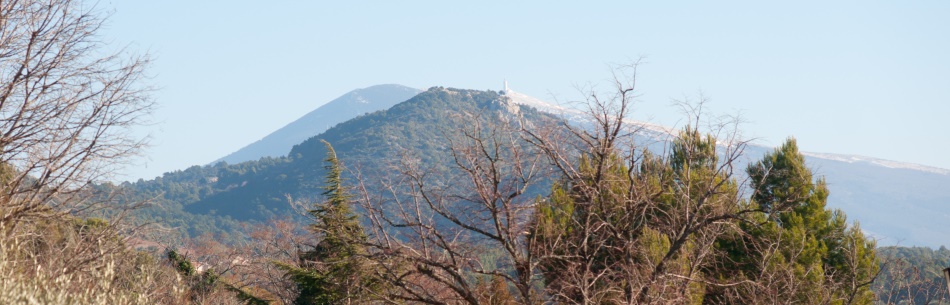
x,y
506,86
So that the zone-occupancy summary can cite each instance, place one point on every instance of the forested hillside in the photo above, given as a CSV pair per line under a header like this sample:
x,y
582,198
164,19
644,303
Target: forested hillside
x,y
215,199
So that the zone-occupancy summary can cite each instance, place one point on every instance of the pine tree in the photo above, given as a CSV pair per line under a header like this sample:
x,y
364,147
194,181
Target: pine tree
x,y
617,234
824,261
333,272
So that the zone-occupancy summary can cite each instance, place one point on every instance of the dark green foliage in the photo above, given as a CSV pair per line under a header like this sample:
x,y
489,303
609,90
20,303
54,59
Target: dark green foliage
x,y
823,260
335,270
163,201
641,228
181,264
781,180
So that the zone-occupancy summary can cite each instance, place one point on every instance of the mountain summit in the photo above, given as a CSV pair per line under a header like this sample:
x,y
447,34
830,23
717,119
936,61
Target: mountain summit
x,y
343,108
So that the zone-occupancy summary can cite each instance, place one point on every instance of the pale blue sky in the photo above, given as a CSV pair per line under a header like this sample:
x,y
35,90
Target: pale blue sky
x,y
852,77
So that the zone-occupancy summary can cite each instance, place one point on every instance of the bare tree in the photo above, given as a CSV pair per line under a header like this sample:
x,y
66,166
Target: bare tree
x,y
625,223
67,106
630,225
444,236
438,234
252,266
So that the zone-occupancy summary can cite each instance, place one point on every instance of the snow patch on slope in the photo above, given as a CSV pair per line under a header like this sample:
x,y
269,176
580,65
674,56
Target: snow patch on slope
x,y
660,132
574,115
524,99
878,162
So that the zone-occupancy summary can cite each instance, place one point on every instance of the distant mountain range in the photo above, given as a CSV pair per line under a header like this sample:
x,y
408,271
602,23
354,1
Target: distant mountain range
x,y
344,108
898,203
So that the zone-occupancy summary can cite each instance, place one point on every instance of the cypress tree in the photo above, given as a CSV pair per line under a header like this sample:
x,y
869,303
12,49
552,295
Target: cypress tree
x,y
333,271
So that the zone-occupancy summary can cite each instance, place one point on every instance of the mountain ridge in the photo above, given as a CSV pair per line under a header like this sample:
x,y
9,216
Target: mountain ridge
x,y
258,190
894,201
341,109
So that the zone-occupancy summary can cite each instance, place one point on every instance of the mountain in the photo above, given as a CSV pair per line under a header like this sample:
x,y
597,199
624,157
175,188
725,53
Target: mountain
x,y
222,198
258,190
898,203
343,108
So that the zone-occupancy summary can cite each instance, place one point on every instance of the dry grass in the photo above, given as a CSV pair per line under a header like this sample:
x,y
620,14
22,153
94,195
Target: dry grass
x,y
67,261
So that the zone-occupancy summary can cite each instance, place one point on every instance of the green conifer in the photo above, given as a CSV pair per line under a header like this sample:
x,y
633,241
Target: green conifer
x,y
333,272
830,262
